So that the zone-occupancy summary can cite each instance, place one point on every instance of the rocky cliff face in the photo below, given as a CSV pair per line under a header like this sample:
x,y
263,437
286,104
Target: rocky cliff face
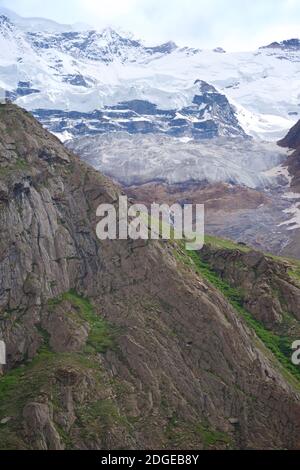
x,y
268,290
117,344
292,140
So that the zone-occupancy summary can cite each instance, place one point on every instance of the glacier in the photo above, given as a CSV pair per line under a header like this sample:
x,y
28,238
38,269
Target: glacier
x,y
139,159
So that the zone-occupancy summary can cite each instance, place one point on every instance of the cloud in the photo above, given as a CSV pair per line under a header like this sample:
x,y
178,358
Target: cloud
x,y
233,24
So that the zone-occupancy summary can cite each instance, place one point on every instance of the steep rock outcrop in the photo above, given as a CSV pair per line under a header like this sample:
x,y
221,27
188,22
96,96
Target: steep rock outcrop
x,y
116,343
292,140
268,290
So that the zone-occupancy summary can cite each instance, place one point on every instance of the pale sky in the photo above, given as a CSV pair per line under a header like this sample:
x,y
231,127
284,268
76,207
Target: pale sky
x,y
235,25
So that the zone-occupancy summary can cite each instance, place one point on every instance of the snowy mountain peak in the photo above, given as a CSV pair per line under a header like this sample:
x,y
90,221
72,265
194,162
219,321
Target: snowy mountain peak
x,y
289,44
59,68
8,14
220,50
39,24
111,34
5,23
205,87
165,48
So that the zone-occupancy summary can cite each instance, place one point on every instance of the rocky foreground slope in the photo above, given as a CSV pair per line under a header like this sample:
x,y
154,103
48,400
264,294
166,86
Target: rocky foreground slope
x,y
123,344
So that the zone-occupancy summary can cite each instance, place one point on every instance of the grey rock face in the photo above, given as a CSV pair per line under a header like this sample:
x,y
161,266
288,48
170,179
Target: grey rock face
x,y
40,428
209,115
269,292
